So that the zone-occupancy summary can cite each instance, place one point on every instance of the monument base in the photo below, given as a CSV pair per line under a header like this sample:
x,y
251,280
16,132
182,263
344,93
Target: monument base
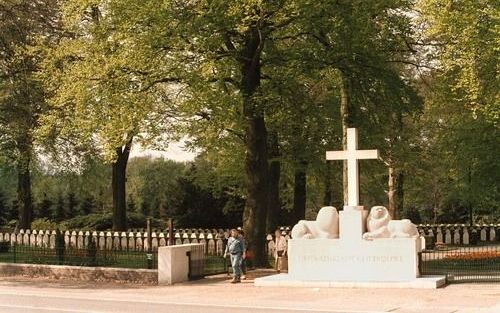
x,y
284,280
379,260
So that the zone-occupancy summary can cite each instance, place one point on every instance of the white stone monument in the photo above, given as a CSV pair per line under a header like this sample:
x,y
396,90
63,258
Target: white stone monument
x,y
337,250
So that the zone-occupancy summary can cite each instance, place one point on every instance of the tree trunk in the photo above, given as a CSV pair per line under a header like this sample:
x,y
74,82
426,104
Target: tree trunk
x,y
399,194
274,203
118,182
299,192
391,191
256,159
328,195
24,190
346,115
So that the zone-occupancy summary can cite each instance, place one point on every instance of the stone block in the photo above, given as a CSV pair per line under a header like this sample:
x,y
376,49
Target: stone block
x,y
173,262
352,224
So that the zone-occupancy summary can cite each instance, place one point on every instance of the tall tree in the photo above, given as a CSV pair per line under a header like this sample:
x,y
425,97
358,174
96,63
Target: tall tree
x,y
22,23
360,41
230,41
464,36
104,86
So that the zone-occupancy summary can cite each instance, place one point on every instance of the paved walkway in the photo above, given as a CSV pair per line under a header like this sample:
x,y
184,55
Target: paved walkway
x,y
216,295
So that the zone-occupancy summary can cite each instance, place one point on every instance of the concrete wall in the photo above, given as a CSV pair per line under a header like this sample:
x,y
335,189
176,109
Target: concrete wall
x,y
173,263
149,277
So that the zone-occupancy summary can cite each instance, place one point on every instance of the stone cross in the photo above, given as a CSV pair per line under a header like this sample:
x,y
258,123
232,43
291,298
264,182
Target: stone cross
x,y
352,155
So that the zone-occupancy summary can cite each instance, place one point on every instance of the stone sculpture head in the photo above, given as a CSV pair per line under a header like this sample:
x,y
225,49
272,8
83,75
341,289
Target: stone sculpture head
x,y
379,212
327,218
378,218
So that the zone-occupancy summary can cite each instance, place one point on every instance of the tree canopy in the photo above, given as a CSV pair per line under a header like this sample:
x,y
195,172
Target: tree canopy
x,y
260,89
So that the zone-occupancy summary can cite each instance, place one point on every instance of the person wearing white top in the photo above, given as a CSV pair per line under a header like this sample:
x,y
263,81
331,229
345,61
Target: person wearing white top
x,y
280,252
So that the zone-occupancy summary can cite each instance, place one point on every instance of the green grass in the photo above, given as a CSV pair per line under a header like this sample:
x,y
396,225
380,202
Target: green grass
x,y
80,257
215,265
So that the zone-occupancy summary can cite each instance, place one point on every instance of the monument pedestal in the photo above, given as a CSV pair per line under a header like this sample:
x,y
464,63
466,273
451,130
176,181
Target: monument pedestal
x,y
352,261
390,260
335,263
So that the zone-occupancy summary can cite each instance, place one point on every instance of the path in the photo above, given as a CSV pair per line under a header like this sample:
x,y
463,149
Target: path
x,y
216,295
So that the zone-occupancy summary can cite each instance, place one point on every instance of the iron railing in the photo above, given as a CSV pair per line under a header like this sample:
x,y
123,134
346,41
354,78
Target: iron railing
x,y
462,263
215,265
78,257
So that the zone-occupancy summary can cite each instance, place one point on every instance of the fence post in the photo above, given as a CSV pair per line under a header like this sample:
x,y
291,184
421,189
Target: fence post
x,y
171,239
14,250
149,254
148,230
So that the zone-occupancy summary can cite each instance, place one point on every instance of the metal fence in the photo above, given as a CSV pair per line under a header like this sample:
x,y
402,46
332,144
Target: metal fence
x,y
462,263
78,257
216,265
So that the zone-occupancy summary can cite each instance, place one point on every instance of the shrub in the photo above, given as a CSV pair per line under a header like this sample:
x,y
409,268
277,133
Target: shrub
x,y
95,221
43,224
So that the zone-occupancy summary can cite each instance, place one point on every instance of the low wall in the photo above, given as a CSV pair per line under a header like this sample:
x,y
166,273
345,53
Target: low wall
x,y
176,262
141,276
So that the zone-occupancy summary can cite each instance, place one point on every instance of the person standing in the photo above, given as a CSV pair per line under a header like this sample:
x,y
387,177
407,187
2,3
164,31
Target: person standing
x,y
243,257
280,252
235,249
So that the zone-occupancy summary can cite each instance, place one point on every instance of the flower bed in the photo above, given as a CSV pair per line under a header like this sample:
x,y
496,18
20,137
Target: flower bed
x,y
472,256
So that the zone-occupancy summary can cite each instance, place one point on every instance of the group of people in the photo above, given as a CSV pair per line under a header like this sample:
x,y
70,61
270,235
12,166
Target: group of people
x,y
236,249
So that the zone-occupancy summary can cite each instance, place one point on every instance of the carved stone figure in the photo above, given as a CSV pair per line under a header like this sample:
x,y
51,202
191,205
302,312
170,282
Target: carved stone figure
x,y
326,225
380,225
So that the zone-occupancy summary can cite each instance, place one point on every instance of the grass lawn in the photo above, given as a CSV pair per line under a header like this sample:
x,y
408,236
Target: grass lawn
x,y
80,257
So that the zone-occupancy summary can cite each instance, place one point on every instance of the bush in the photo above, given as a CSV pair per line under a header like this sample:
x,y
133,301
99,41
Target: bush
x,y
93,221
43,224
98,222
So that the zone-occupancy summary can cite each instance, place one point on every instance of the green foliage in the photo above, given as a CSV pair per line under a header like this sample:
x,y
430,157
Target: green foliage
x,y
466,42
45,224
87,206
80,79
45,208
3,209
60,210
93,221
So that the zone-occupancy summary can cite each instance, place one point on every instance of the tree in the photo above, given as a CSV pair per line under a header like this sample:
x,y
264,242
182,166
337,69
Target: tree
x,y
464,36
103,88
3,209
72,205
45,208
362,43
229,41
60,210
87,206
22,24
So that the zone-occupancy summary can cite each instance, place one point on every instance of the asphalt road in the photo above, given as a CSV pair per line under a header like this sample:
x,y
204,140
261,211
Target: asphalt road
x,y
217,295
15,303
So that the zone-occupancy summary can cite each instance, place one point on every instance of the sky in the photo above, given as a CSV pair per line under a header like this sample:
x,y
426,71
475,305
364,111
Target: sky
x,y
175,151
